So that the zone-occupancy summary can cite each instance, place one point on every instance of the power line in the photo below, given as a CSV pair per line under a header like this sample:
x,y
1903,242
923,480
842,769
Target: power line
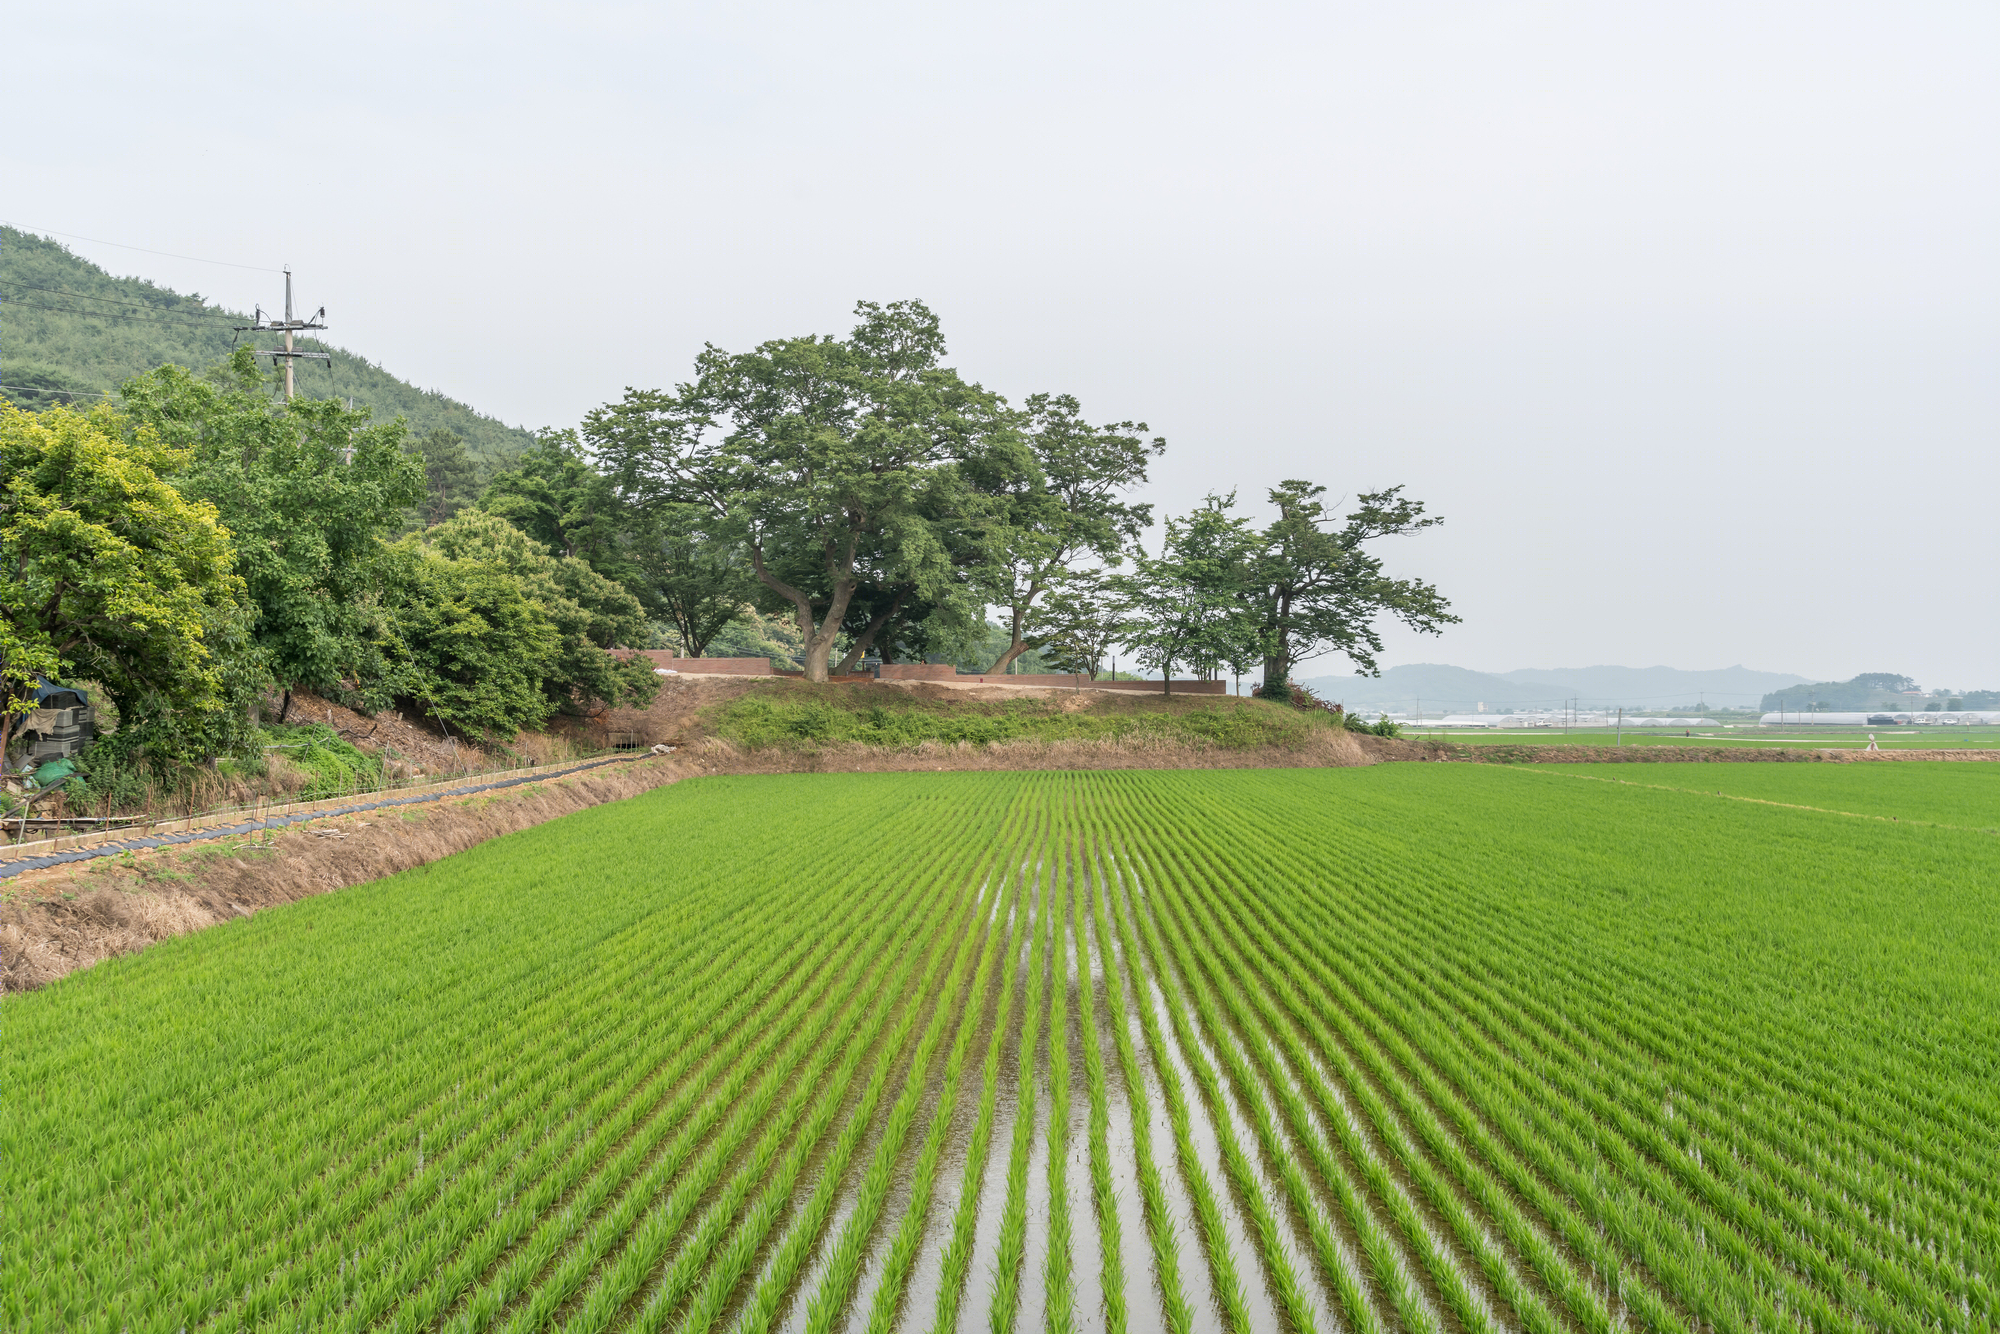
x,y
161,318
110,300
225,263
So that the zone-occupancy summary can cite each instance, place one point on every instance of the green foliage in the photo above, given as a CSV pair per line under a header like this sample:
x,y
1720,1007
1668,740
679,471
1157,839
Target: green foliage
x,y
838,463
308,491
1316,587
689,574
1067,506
450,476
791,717
751,634
490,634
1383,726
1188,605
1408,1057
75,333
110,574
556,497
589,613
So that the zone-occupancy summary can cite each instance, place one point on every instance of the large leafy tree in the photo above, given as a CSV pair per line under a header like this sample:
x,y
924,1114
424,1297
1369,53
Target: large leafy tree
x,y
687,573
1318,589
1077,625
308,489
1070,506
107,573
554,495
1188,606
822,455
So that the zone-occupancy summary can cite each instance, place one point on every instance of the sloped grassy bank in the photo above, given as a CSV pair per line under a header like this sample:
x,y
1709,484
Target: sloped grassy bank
x,y
787,715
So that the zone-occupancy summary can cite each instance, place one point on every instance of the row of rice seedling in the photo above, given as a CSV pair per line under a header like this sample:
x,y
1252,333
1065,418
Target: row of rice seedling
x,y
1235,969
789,1258
1423,1060
1836,1203
335,1213
1083,890
1725,1217
956,1261
1765,1252
1012,1250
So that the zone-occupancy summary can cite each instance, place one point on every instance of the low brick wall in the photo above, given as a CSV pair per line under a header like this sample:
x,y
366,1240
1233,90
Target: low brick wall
x,y
919,671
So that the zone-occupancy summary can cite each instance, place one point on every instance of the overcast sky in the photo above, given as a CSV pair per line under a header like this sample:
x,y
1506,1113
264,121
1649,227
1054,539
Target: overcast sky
x,y
1683,315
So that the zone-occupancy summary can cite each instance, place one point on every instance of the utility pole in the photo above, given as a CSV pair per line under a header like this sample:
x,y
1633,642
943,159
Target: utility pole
x,y
288,327
1621,728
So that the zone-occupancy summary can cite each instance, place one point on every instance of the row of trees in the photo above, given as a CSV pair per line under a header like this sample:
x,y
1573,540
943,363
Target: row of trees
x,y
886,502
204,544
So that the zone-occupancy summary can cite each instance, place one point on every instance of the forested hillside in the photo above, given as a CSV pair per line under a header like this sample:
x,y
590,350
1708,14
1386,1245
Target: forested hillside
x,y
70,331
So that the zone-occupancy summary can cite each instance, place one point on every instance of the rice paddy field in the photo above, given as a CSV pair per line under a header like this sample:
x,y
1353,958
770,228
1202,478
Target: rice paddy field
x,y
1824,738
1423,1047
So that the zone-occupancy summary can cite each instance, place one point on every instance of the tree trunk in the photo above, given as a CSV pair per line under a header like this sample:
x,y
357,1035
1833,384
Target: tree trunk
x,y
1019,645
861,645
286,707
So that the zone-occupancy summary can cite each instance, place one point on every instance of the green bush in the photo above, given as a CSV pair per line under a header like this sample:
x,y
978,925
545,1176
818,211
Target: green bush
x,y
784,720
335,765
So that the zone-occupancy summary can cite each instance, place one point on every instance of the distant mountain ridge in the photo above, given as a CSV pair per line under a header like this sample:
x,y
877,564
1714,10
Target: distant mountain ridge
x,y
70,331
1459,689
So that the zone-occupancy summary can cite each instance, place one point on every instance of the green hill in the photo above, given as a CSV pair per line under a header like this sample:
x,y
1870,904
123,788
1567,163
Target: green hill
x,y
69,331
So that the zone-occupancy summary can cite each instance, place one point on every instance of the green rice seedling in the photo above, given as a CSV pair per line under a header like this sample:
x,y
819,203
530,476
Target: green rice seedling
x,y
844,1264
707,1305
1515,1048
1470,1310
1278,1264
903,1251
1493,1261
793,1251
643,1247
1058,1283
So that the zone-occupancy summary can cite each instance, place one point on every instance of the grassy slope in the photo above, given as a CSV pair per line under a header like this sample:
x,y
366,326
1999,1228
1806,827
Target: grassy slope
x,y
94,331
792,715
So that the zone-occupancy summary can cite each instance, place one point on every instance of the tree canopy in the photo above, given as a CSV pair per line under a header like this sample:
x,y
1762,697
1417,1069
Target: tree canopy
x,y
833,460
1070,504
109,574
1317,588
308,489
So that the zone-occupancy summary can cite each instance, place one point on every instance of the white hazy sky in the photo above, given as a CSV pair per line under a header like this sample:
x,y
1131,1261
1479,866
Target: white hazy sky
x,y
1683,315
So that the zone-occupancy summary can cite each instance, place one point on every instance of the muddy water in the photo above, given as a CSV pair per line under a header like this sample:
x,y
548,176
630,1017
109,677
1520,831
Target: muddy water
x,y
1197,1285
